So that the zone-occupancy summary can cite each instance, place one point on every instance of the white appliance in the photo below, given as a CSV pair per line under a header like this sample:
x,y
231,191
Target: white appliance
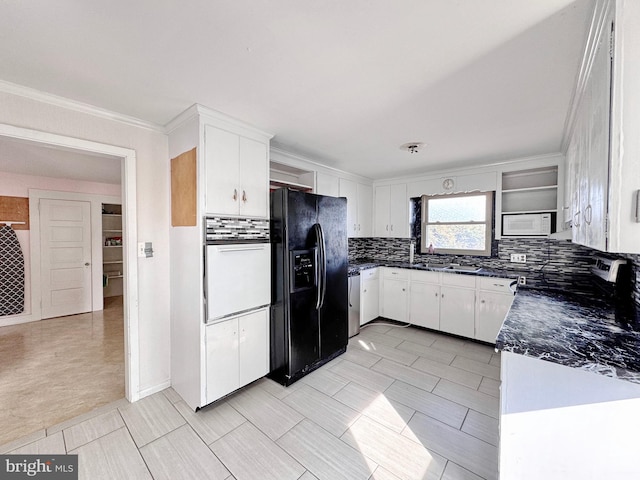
x,y
237,278
528,224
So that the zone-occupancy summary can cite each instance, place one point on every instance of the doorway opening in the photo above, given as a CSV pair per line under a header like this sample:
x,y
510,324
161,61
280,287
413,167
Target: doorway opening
x,y
127,268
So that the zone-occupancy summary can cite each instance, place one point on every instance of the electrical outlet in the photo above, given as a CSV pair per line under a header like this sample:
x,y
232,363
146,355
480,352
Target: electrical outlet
x,y
522,280
518,258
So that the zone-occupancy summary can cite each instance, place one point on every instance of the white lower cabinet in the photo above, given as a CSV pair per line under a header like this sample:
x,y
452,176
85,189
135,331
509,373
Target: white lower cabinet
x,y
237,353
457,304
369,295
424,299
466,305
493,303
395,294
457,311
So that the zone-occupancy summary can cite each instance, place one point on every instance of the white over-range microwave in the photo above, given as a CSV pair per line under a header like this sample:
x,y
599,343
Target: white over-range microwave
x,y
528,224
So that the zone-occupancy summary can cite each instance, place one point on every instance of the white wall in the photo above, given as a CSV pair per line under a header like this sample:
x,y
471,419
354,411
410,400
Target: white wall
x,y
13,185
152,212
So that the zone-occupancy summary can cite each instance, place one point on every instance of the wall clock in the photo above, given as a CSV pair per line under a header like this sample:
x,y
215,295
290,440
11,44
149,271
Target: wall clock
x,y
447,183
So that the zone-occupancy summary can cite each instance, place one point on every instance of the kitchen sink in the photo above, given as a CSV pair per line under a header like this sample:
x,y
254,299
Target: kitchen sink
x,y
462,268
441,266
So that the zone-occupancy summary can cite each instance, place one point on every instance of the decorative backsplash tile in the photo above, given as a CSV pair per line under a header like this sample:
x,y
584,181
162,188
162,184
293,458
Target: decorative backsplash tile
x,y
553,263
225,229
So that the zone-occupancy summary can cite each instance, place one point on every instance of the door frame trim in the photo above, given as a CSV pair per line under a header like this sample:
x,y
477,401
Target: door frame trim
x,y
128,183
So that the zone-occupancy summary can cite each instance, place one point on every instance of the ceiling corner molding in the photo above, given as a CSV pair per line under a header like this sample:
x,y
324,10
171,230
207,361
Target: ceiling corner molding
x,y
44,97
214,117
601,13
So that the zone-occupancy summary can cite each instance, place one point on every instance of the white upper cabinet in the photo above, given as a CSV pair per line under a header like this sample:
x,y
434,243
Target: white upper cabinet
x,y
358,207
603,149
237,174
391,211
327,185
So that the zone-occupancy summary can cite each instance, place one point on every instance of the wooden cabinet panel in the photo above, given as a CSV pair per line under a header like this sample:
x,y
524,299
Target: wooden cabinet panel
x,y
184,190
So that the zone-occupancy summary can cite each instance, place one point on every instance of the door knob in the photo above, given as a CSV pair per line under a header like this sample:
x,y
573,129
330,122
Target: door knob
x,y
87,264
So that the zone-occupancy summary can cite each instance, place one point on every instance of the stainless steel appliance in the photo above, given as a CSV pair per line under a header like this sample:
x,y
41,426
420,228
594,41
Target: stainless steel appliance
x,y
309,304
613,276
354,305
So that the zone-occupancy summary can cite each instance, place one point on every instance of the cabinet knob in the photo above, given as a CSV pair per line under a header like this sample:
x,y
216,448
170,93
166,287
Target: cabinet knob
x,y
244,196
481,301
436,294
392,228
442,295
365,290
387,228
235,194
358,227
403,289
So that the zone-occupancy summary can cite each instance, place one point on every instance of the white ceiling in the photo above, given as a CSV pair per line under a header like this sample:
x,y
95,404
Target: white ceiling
x,y
343,82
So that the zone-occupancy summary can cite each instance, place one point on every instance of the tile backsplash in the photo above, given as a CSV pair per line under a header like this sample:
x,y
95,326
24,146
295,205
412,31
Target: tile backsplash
x,y
553,263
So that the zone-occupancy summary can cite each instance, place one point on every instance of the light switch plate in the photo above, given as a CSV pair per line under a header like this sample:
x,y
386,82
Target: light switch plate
x,y
518,258
141,253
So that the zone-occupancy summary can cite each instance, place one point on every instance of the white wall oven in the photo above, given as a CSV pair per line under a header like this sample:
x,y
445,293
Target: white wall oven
x,y
237,268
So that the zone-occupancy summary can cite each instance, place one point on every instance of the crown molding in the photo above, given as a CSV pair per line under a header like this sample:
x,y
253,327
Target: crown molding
x,y
216,118
44,97
549,158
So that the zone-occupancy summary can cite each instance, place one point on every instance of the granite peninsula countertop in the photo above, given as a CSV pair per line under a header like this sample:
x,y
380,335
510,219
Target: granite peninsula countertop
x,y
356,267
579,330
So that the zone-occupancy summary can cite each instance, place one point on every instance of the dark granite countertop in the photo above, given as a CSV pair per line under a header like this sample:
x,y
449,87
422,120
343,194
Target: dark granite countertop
x,y
580,330
356,267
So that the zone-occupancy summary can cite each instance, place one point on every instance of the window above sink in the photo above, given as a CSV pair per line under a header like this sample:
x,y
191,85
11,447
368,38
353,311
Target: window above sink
x,y
458,224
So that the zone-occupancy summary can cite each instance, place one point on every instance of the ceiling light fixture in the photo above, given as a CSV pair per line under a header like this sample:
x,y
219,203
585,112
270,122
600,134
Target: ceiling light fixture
x,y
412,147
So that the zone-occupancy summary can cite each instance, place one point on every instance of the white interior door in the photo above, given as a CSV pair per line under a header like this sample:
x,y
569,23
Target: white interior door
x,y
65,241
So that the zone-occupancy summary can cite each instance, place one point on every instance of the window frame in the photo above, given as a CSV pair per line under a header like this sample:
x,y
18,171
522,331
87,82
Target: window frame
x,y
451,251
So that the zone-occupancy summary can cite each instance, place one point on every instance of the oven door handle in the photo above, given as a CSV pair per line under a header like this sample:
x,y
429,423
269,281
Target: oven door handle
x,y
240,248
322,266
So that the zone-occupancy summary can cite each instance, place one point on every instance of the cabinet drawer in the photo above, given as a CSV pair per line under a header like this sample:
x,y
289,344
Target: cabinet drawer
x,y
495,284
427,277
397,273
369,273
468,281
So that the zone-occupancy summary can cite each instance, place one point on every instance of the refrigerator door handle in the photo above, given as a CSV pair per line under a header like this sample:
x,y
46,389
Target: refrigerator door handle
x,y
322,262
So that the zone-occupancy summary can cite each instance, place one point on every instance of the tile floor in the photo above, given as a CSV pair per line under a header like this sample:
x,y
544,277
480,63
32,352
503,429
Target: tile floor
x,y
401,403
59,368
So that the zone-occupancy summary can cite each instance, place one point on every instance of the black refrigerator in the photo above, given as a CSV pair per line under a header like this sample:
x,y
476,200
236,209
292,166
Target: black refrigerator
x,y
309,289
